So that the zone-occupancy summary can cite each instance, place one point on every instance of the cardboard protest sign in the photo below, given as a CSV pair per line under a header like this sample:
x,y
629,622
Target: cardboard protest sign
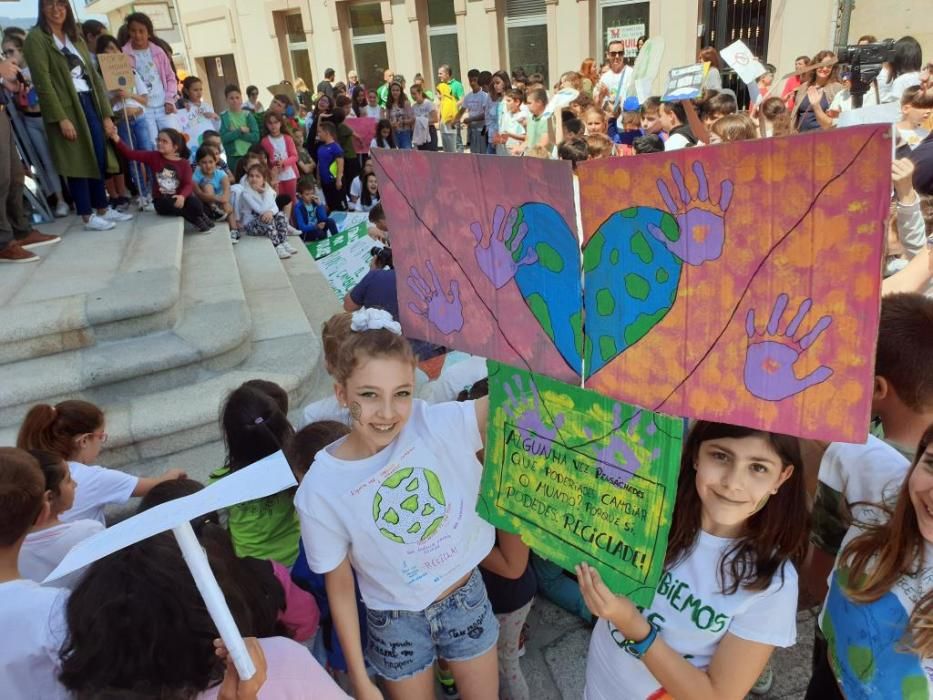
x,y
647,67
581,477
117,69
685,83
364,130
455,263
699,298
344,259
741,59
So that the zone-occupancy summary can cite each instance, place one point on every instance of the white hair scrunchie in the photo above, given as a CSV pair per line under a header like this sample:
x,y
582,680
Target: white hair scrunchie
x,y
373,319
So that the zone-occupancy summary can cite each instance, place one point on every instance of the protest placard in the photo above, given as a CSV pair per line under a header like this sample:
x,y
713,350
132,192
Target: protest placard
x,y
344,259
117,69
581,477
741,59
685,83
364,129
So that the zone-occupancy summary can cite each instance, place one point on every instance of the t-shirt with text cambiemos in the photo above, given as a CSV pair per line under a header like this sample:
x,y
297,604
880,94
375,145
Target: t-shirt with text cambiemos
x,y
405,516
693,616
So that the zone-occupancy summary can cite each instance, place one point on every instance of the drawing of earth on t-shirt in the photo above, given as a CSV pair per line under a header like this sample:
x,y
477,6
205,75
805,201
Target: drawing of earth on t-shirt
x,y
409,506
867,647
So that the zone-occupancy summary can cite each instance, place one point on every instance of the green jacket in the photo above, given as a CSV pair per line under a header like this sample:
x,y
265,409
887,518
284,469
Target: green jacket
x,y
59,100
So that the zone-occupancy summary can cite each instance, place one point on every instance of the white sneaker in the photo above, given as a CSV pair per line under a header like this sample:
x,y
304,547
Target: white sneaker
x,y
98,223
292,231
280,249
114,215
289,248
62,209
145,204
234,236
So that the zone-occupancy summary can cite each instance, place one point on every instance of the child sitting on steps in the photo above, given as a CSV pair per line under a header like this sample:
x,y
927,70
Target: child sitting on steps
x,y
258,214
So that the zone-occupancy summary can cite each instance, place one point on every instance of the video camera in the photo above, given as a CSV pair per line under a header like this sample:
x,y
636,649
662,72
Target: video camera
x,y
864,62
383,256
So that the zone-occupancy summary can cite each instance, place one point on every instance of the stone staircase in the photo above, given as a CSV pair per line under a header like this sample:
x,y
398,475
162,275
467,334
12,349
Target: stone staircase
x,y
157,326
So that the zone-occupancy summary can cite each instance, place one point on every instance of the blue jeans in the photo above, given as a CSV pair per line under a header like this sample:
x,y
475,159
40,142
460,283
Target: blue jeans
x,y
403,139
459,627
139,128
89,192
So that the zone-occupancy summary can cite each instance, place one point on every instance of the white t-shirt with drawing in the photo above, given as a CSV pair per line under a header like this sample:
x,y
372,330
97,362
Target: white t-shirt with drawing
x,y
405,516
694,616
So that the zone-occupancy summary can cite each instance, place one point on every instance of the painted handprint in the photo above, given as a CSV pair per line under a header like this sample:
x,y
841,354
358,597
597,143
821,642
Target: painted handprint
x,y
700,231
769,362
617,461
443,309
499,254
533,418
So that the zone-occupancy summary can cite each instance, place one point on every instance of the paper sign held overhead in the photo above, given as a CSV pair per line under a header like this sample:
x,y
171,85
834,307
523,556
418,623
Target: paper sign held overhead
x,y
581,477
741,59
117,69
697,301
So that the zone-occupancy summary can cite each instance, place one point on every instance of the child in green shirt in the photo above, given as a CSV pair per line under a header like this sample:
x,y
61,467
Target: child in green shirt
x,y
238,127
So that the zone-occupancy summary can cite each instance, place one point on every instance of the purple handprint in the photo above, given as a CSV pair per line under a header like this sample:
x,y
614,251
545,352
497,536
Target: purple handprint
x,y
499,254
769,363
617,460
442,309
530,419
702,228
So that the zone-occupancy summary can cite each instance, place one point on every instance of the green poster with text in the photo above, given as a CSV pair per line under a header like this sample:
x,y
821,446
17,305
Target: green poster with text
x,y
581,477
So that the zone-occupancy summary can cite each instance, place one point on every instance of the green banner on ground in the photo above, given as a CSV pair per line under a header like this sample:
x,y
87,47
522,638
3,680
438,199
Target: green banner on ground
x,y
582,478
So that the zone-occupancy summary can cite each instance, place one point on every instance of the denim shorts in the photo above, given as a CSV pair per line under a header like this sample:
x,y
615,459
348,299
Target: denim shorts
x,y
459,627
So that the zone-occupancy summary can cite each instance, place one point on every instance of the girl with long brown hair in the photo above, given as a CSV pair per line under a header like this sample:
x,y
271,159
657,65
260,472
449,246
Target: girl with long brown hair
x,y
728,595
878,614
76,432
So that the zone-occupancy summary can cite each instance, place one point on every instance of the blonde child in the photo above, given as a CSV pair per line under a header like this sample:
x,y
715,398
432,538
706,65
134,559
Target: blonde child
x,y
416,570
258,214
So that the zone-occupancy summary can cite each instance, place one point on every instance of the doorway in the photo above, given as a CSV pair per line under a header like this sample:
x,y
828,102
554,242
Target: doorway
x,y
726,21
221,72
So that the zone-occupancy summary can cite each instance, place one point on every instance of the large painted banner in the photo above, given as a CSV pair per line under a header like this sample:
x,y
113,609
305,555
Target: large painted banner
x,y
581,477
737,283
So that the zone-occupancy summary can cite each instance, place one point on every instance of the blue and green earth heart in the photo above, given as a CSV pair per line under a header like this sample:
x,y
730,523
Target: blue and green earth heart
x,y
631,281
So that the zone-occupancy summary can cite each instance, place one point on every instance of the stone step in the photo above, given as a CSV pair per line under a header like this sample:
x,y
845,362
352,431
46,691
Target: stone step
x,y
212,334
91,287
145,427
319,302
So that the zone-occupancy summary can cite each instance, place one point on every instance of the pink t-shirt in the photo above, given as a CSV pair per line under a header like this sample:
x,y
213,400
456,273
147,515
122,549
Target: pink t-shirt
x,y
301,615
291,674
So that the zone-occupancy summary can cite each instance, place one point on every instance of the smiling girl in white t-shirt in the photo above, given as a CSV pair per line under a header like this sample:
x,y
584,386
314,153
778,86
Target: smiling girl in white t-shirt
x,y
728,595
76,431
396,500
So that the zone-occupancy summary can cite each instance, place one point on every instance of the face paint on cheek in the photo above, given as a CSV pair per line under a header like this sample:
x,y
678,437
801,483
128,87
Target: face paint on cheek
x,y
356,411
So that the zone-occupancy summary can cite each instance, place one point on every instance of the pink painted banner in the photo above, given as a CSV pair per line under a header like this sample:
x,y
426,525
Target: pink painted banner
x,y
738,283
364,129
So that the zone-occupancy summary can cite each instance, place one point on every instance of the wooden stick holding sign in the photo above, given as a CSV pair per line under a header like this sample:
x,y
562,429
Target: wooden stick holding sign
x,y
263,478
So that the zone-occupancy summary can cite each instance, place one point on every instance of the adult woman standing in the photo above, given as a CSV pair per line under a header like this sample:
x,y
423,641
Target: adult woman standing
x,y
813,97
76,111
400,115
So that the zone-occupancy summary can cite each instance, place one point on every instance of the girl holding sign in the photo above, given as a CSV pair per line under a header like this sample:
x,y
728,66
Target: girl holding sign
x,y
728,595
396,499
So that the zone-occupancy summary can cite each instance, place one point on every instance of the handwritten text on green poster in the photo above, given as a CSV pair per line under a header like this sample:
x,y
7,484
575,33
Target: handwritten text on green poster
x,y
581,477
